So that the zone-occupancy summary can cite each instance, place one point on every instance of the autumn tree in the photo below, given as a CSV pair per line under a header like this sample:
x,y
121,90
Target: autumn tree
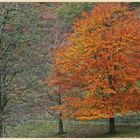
x,y
102,58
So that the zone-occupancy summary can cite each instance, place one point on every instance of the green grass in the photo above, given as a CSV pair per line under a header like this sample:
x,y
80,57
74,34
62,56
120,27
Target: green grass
x,y
101,131
74,129
47,129
131,132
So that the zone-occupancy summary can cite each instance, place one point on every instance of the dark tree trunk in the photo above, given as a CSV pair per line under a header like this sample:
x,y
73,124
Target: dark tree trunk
x,y
1,128
112,125
61,130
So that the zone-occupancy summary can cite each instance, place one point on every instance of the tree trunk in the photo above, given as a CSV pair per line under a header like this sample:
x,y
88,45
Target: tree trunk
x,y
61,130
1,128
112,125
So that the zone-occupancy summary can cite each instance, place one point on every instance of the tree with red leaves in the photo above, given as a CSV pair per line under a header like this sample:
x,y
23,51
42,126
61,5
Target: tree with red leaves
x,y
102,60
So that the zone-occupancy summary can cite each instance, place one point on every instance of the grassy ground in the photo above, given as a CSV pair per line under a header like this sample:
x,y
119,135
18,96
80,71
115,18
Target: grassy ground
x,y
74,130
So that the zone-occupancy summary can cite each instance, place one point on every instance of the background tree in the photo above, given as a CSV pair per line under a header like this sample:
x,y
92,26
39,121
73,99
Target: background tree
x,y
70,11
37,67
19,29
53,93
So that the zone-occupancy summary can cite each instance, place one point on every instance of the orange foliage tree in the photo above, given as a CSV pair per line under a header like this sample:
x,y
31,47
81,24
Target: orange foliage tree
x,y
102,60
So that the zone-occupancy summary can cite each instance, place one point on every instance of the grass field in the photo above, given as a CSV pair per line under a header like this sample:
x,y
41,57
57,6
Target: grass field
x,y
73,130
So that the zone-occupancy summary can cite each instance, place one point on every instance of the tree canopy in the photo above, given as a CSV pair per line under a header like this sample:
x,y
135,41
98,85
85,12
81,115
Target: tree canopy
x,y
101,58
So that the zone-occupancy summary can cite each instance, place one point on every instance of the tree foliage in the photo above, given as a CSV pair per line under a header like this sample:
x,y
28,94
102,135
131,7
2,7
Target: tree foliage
x,y
101,59
19,29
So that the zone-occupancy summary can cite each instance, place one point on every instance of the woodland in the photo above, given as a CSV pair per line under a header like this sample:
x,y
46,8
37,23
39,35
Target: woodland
x,y
69,70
